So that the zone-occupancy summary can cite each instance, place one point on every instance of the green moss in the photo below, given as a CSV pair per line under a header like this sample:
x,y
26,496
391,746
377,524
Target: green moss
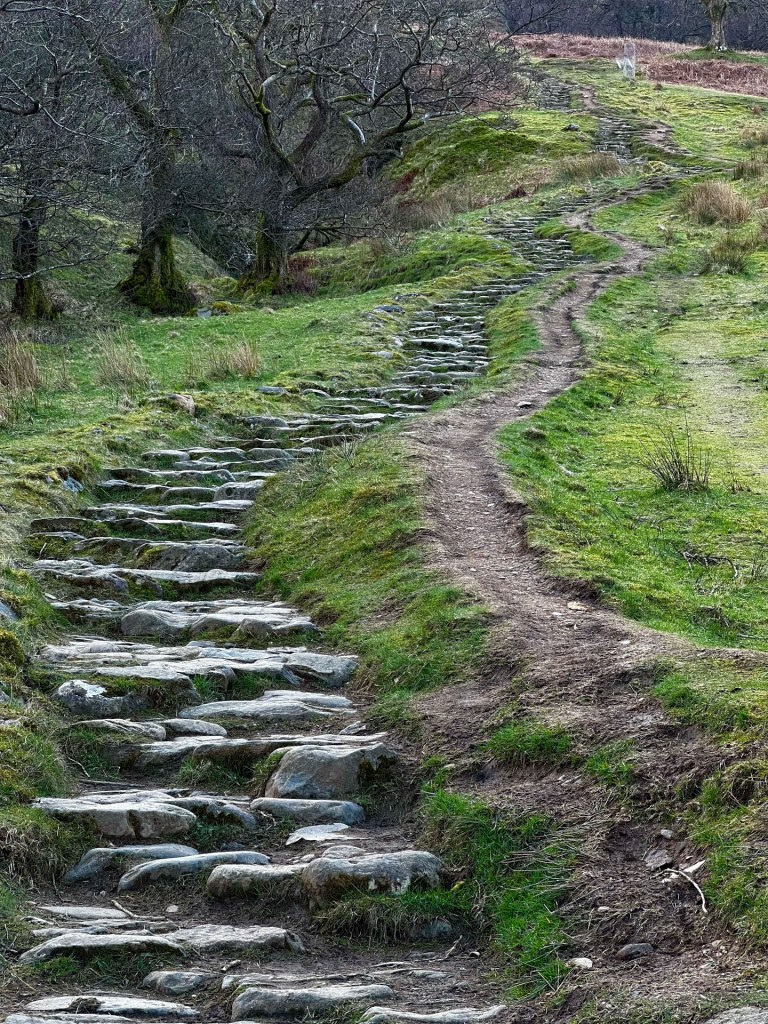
x,y
585,244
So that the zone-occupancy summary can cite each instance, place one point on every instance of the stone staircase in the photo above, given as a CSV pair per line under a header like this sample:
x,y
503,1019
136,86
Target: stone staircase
x,y
171,664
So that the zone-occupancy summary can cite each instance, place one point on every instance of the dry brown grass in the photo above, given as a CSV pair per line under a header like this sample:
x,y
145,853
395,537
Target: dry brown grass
x,y
586,168
21,378
237,359
754,137
118,363
579,47
726,76
715,202
749,169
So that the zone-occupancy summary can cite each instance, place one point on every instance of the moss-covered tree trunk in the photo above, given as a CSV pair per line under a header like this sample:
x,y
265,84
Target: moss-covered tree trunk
x,y
30,300
717,11
155,281
269,267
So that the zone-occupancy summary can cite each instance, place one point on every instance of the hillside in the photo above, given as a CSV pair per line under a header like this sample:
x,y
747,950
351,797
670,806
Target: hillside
x,y
392,646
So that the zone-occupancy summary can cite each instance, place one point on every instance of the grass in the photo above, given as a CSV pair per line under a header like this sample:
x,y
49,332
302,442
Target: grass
x,y
509,873
342,539
528,742
588,167
612,765
715,202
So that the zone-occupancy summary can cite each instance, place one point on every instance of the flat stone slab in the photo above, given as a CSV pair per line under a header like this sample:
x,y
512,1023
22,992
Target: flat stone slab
x,y
254,1003
124,729
328,773
274,705
179,983
179,867
317,833
312,812
73,913
199,658
195,618
75,943
99,859
82,571
126,1006
250,879
191,727
201,939
460,1015
127,820
328,878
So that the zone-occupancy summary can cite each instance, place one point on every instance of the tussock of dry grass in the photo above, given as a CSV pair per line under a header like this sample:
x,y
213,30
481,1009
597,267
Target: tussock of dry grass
x,y
20,375
752,168
118,364
715,202
588,167
238,360
754,137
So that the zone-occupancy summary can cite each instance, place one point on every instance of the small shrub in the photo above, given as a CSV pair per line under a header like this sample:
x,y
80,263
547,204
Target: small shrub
x,y
585,168
754,137
237,360
746,170
677,463
715,202
118,364
531,743
729,254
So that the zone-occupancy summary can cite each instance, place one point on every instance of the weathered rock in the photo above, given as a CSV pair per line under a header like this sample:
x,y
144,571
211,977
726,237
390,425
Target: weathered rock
x,y
126,820
179,867
73,913
635,950
76,943
82,571
463,1015
657,859
238,489
97,860
316,833
328,773
137,732
89,699
274,705
179,983
314,812
201,939
327,878
251,880
299,1002
125,1006
63,1018
190,618
191,727
741,1015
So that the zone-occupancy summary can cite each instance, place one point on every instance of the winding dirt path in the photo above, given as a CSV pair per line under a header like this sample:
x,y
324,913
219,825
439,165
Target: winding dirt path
x,y
569,660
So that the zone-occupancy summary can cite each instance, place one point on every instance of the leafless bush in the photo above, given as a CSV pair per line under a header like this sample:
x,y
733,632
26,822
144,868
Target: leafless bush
x,y
585,168
715,202
119,365
676,460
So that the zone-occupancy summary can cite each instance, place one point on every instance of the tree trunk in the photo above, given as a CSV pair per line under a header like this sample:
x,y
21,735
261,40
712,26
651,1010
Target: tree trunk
x,y
269,268
717,10
30,301
155,281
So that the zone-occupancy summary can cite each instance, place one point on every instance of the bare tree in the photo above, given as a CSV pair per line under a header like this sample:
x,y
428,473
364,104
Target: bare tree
x,y
323,91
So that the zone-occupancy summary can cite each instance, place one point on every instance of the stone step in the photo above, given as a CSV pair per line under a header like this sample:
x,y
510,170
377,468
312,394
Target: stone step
x,y
328,878
199,940
180,619
310,812
455,1015
100,859
237,880
329,773
122,1006
281,1003
210,511
201,659
172,869
274,705
182,556
82,572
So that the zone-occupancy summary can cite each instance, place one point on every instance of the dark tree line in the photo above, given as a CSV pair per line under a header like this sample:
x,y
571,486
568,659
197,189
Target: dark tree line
x,y
684,21
256,127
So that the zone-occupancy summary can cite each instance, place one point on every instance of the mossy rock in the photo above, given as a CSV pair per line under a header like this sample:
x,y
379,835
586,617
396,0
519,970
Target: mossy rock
x,y
11,651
